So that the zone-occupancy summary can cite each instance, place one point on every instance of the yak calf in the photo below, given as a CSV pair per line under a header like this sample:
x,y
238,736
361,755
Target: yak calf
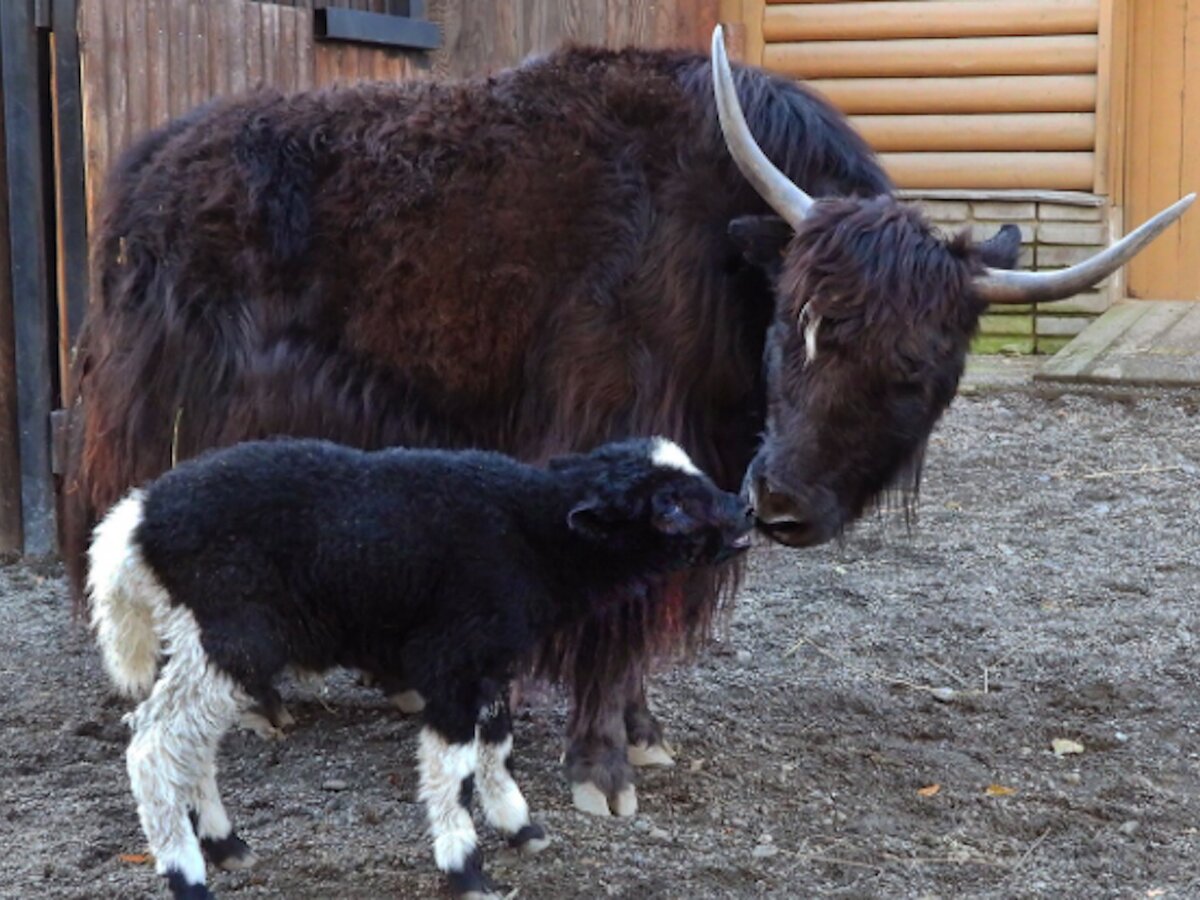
x,y
444,569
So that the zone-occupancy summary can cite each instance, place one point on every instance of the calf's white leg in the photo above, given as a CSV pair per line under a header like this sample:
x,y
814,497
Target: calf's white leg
x,y
502,801
171,757
446,771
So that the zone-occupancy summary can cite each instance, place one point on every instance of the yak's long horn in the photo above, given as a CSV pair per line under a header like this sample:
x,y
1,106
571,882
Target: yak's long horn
x,y
1001,286
772,185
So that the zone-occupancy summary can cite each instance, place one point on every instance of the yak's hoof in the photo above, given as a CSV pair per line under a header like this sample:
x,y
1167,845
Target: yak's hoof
x,y
252,720
591,800
239,863
408,702
642,755
310,679
530,840
285,717
481,895
625,803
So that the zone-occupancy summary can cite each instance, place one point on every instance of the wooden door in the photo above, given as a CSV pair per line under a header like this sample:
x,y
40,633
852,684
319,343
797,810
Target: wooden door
x,y
1162,152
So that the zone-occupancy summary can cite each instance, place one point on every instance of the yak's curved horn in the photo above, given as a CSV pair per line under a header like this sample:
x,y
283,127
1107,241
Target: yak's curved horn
x,y
772,185
1001,286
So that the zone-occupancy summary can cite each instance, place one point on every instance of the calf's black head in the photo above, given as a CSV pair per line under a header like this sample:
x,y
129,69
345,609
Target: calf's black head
x,y
874,314
645,499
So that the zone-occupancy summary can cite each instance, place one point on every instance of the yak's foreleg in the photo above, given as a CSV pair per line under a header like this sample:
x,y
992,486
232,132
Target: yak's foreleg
x,y
597,759
647,747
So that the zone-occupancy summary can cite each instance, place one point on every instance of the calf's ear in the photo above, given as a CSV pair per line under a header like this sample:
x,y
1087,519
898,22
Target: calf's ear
x,y
591,518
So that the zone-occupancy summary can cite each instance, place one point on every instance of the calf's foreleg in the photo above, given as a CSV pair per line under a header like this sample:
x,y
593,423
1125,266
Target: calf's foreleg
x,y
502,801
446,761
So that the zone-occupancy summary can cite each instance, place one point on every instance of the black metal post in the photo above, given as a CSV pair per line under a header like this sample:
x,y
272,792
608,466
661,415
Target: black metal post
x,y
25,116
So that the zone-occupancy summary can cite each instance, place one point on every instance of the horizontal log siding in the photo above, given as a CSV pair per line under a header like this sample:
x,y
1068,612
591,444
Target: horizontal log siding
x,y
978,94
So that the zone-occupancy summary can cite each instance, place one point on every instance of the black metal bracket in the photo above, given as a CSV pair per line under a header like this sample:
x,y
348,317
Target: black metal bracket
x,y
377,29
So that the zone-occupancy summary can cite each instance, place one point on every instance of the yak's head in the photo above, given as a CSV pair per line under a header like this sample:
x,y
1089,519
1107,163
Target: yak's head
x,y
874,313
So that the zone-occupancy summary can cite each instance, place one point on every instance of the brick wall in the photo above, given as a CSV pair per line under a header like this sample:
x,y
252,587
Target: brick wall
x,y
1057,229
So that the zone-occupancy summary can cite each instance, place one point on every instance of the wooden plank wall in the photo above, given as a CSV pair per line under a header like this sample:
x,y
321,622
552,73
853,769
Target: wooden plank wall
x,y
481,38
145,61
1162,138
972,94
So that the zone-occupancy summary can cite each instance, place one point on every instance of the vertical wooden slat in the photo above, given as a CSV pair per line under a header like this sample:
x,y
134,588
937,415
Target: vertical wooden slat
x,y
216,33
305,64
235,48
285,50
252,23
94,77
1158,98
1111,135
1187,262
179,94
158,62
270,42
197,39
136,74
115,54
70,196
1107,48
752,17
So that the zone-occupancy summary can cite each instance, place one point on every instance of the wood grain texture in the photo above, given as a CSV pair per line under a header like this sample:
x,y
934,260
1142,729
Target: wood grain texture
x,y
991,170
928,18
1045,55
983,94
1160,167
991,131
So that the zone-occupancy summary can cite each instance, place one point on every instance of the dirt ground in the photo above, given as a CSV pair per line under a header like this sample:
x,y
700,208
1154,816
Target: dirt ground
x,y
876,722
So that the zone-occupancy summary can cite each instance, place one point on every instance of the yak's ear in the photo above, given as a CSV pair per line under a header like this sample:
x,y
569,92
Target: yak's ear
x,y
1001,250
762,239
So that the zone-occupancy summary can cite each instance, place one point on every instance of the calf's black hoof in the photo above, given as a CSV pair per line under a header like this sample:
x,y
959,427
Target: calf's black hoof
x,y
470,882
181,890
230,853
530,840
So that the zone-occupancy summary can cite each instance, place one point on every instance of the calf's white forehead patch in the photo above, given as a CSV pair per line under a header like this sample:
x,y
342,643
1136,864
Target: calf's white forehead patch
x,y
669,455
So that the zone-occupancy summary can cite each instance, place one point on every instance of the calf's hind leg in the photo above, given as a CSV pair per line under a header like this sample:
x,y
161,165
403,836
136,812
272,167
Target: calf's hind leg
x,y
219,843
170,759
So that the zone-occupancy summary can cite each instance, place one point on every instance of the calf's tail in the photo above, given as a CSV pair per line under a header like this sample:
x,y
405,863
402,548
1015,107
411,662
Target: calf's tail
x,y
127,600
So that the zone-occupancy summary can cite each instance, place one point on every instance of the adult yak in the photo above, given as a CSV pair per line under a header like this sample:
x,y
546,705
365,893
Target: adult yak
x,y
568,252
